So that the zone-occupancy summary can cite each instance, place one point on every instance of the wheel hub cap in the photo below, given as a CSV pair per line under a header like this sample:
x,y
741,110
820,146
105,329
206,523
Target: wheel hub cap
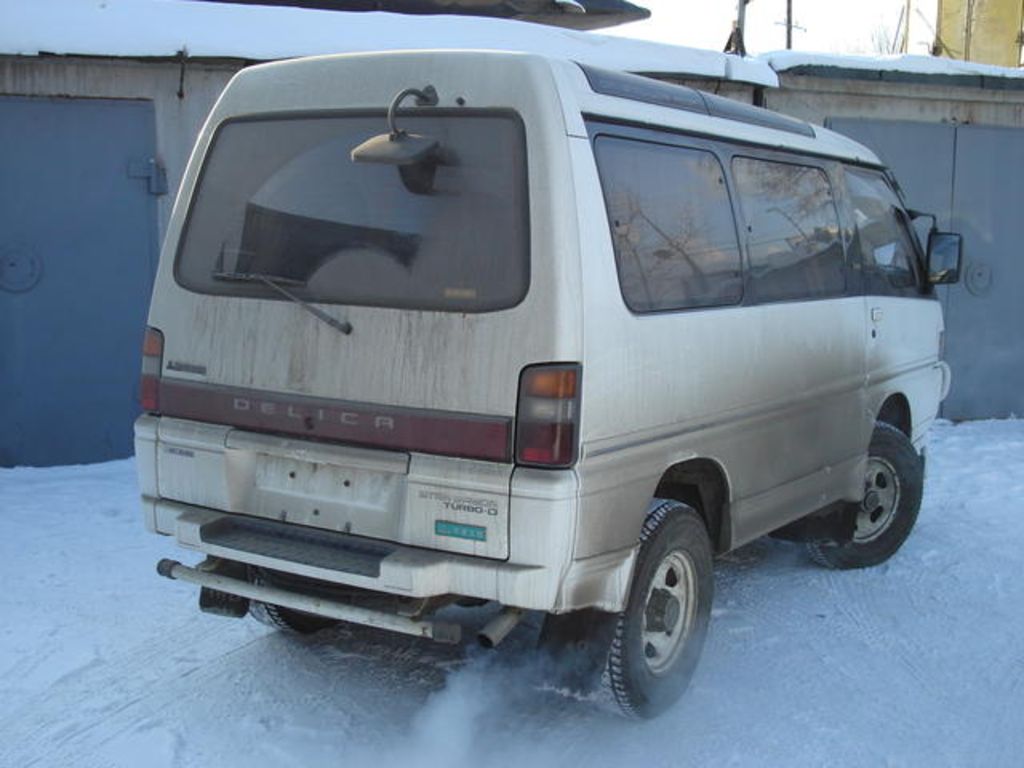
x,y
662,611
669,611
881,500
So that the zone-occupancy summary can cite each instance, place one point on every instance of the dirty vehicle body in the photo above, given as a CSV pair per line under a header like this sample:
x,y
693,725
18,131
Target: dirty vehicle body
x,y
552,341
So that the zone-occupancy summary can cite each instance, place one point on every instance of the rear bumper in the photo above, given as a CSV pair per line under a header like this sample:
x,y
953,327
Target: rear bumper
x,y
539,572
339,558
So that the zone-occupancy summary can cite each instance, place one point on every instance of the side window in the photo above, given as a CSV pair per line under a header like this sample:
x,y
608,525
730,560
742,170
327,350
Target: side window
x,y
672,225
793,234
885,244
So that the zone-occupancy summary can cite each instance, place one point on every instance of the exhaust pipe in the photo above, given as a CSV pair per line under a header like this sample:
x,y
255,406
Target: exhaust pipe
x,y
442,632
497,629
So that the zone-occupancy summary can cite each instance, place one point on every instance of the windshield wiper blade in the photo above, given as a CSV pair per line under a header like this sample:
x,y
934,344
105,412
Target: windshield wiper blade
x,y
277,283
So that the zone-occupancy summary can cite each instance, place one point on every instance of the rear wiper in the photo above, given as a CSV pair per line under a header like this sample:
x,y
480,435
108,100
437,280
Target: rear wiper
x,y
277,283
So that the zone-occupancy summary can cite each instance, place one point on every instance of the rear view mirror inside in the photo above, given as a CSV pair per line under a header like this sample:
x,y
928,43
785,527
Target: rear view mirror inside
x,y
945,253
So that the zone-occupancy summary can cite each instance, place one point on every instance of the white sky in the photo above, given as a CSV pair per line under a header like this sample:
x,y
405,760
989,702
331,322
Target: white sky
x,y
831,26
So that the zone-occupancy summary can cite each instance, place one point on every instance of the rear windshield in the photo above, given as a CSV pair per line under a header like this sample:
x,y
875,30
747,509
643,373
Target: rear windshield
x,y
282,198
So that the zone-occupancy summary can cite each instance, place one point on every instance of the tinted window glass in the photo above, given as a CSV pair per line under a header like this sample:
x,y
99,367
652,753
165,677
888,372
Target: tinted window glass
x,y
672,225
282,197
793,237
885,244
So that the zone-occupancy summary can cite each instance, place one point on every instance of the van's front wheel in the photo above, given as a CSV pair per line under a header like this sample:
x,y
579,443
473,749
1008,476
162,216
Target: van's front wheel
x,y
892,497
659,637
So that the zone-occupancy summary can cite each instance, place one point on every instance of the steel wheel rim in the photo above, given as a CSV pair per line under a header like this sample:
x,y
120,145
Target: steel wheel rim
x,y
669,611
881,500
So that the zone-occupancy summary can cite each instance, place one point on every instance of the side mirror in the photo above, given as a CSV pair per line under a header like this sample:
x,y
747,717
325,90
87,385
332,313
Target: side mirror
x,y
945,255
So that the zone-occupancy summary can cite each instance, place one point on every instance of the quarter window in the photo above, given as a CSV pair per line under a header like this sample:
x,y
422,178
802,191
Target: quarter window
x,y
792,230
672,225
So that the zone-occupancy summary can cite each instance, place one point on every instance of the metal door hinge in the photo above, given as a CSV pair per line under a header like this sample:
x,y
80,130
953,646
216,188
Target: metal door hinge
x,y
152,171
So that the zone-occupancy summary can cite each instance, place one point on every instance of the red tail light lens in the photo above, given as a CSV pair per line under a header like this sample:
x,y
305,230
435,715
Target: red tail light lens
x,y
152,361
547,424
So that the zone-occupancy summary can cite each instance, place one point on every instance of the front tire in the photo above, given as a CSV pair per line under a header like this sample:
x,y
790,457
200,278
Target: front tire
x,y
659,636
885,516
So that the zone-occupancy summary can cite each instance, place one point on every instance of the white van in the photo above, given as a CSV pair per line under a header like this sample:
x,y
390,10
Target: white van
x,y
450,327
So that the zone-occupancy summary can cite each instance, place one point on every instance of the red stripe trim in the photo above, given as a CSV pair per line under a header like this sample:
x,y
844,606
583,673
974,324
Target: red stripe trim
x,y
466,435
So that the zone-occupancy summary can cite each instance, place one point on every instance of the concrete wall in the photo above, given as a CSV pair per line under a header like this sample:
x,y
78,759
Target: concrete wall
x,y
178,120
814,99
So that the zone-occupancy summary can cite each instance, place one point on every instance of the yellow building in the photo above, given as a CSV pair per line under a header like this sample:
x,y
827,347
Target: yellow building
x,y
987,31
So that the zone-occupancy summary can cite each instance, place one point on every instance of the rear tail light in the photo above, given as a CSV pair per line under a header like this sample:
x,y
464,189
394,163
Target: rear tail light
x,y
152,361
547,424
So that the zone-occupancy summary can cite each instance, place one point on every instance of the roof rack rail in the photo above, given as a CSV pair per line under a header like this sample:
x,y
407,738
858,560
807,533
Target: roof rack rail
x,y
650,91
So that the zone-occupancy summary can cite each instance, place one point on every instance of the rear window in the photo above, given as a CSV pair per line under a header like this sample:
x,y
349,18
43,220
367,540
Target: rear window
x,y
282,198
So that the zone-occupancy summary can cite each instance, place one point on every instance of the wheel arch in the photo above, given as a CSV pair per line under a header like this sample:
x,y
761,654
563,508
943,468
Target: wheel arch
x,y
702,484
895,410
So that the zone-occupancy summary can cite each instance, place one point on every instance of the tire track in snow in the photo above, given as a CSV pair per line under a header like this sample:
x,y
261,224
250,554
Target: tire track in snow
x,y
72,707
152,686
849,595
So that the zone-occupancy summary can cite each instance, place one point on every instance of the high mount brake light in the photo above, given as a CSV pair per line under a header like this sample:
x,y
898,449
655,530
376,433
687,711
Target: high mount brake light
x,y
547,424
152,361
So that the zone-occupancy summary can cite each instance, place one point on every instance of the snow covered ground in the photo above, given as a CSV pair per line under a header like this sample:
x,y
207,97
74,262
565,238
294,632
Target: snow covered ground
x,y
919,662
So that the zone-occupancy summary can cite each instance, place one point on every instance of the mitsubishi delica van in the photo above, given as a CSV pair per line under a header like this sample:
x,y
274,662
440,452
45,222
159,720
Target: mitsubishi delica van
x,y
440,328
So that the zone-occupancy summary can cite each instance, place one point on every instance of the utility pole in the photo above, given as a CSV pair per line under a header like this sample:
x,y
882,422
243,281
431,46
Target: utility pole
x,y
788,25
736,44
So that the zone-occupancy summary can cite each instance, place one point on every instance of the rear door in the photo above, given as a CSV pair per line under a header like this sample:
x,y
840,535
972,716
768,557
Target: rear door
x,y
440,282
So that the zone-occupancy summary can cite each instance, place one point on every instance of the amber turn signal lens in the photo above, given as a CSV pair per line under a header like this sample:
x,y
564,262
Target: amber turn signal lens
x,y
153,343
560,383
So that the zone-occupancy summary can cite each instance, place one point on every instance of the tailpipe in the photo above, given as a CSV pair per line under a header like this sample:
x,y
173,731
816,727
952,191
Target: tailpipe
x,y
497,629
166,568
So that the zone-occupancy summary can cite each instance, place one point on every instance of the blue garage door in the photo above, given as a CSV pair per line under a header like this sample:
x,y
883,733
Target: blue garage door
x,y
78,232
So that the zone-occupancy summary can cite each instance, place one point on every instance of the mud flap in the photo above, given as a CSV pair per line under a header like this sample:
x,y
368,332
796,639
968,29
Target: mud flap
x,y
575,648
221,603
835,525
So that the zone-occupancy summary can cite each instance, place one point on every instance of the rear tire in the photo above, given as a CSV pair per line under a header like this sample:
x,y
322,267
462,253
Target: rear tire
x,y
888,511
288,619
279,617
659,636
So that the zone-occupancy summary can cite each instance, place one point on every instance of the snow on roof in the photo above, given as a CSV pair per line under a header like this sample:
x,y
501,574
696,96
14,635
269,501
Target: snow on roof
x,y
782,61
147,28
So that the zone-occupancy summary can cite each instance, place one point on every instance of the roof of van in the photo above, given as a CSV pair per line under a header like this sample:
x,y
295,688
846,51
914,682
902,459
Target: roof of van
x,y
585,92
165,28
